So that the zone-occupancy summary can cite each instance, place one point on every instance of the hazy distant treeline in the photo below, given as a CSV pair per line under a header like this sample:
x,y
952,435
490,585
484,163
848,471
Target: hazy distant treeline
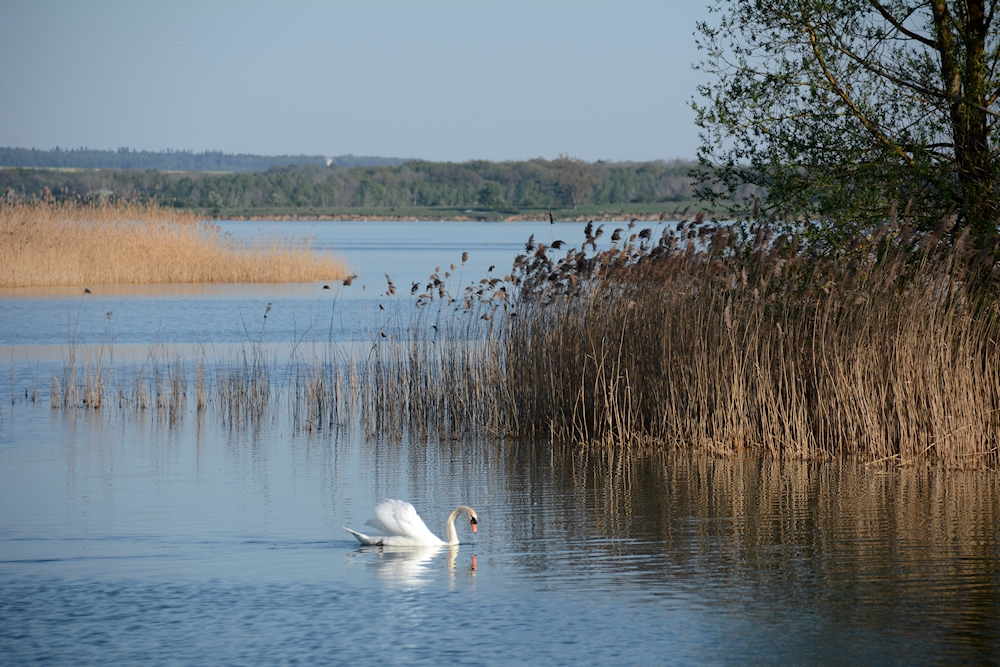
x,y
126,158
478,184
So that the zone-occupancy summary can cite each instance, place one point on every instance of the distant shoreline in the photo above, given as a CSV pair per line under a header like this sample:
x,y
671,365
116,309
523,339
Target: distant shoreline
x,y
645,212
417,190
603,216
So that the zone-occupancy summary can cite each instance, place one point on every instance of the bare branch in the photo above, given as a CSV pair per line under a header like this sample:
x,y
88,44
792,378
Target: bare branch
x,y
898,25
930,92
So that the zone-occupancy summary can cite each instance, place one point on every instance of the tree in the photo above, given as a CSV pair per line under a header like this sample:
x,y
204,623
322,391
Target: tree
x,y
491,196
575,180
838,108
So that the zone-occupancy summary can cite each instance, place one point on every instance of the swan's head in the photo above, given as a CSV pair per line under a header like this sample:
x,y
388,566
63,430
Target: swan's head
x,y
467,512
473,519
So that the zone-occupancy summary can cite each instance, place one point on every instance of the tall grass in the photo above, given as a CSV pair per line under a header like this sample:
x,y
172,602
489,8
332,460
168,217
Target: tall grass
x,y
723,339
744,343
48,243
728,340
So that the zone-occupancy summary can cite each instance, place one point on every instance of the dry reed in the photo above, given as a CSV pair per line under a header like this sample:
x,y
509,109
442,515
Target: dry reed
x,y
48,243
726,340
721,339
92,379
744,343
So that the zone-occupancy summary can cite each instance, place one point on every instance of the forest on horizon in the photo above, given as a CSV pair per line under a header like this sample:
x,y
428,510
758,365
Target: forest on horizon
x,y
478,184
171,160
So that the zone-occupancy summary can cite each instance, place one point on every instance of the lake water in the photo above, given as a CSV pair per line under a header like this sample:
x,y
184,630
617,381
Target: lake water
x,y
126,538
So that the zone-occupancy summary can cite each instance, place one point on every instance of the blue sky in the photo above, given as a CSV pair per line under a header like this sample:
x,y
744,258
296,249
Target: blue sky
x,y
434,80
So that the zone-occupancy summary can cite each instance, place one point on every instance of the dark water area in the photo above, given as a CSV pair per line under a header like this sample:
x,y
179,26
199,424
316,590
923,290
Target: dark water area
x,y
130,538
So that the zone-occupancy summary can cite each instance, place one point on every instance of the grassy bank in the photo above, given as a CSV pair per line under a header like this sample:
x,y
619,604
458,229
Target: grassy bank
x,y
125,243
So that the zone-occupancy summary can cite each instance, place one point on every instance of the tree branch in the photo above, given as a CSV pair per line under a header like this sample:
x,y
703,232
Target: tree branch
x,y
898,25
858,113
886,74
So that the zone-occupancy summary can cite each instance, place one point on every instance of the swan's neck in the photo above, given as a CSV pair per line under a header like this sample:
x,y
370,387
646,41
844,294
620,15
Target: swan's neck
x,y
451,534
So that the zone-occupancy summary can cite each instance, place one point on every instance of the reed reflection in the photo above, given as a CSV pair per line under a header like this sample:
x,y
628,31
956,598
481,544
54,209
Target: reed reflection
x,y
850,543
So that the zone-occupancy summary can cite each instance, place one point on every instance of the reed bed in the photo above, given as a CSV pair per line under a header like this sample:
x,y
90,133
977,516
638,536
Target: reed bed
x,y
50,244
424,376
736,341
244,385
730,340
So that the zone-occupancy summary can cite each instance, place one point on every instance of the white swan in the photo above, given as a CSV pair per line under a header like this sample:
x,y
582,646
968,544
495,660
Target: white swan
x,y
399,525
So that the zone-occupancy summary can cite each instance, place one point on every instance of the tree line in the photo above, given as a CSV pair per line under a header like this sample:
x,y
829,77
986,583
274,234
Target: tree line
x,y
479,184
127,158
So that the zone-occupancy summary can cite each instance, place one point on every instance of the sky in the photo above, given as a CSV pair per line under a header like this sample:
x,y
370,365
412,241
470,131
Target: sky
x,y
445,81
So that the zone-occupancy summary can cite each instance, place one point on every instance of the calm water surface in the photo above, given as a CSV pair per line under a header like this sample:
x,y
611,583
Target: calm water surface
x,y
129,539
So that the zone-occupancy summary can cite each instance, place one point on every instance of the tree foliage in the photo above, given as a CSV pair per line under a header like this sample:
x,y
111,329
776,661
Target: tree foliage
x,y
840,108
477,184
575,181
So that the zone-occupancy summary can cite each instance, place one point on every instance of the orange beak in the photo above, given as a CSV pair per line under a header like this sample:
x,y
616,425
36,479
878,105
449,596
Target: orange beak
x,y
474,530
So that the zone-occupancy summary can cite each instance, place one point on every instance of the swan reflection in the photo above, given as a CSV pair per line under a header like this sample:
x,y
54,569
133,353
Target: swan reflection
x,y
411,566
405,565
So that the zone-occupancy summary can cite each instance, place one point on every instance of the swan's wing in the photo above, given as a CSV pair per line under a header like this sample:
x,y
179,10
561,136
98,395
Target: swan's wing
x,y
393,517
399,518
385,517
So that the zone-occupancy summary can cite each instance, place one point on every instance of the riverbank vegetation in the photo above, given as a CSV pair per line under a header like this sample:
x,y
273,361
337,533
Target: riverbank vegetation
x,y
730,341
753,343
734,341
837,110
50,243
